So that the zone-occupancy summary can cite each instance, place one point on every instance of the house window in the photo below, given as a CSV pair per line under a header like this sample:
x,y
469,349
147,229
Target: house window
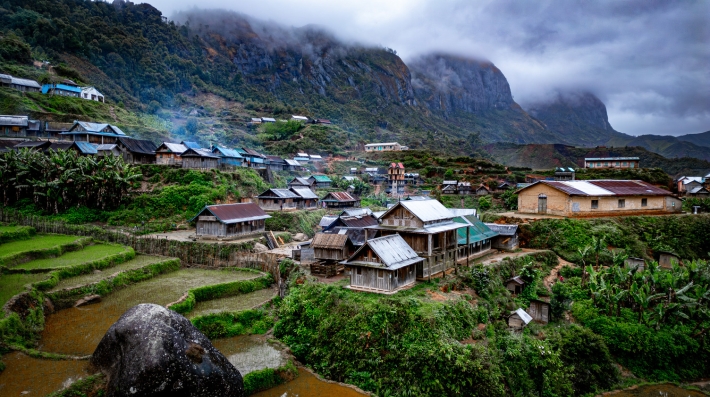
x,y
622,203
617,163
595,204
624,163
644,202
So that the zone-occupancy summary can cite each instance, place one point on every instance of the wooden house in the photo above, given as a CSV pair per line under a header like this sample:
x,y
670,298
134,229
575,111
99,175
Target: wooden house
x,y
507,238
52,130
505,185
253,158
475,238
136,151
96,133
518,319
228,157
328,251
449,189
428,227
278,200
632,262
24,85
108,149
482,190
299,182
515,285
293,165
464,188
14,126
201,159
340,200
276,163
307,199
666,259
539,311
353,222
321,181
385,264
230,220
64,88
169,153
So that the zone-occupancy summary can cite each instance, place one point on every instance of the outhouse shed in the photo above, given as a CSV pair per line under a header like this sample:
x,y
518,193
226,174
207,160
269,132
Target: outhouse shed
x,y
515,285
519,319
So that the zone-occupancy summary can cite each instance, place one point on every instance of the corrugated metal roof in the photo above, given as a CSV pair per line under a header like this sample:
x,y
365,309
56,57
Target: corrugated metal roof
x,y
233,213
339,196
315,157
20,121
427,210
174,147
523,315
106,146
141,146
356,212
327,220
57,146
191,152
303,118
449,182
321,178
97,128
224,152
329,241
302,154
462,211
86,147
269,119
382,144
359,221
477,230
25,82
605,188
300,181
517,279
393,251
378,214
503,230
304,192
356,236
191,144
32,144
292,163
253,153
282,193
609,158
697,190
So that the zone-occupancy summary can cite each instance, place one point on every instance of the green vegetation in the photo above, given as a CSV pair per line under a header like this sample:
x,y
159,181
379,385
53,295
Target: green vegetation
x,y
12,233
13,284
209,292
90,253
295,222
44,246
91,386
226,324
267,378
233,303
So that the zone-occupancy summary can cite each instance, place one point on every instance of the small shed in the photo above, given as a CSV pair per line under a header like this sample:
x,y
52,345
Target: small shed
x,y
632,262
519,319
507,238
482,190
137,151
228,220
331,247
278,200
384,264
515,285
321,181
539,311
667,258
202,159
449,189
339,200
293,165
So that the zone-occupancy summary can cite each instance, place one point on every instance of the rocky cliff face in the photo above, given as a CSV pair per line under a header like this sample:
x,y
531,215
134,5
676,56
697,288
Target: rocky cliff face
x,y
451,84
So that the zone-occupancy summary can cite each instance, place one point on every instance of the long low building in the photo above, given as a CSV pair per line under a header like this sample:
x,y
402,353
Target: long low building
x,y
596,198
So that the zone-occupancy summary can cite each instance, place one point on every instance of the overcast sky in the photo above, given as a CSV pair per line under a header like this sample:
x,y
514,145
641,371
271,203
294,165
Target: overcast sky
x,y
647,60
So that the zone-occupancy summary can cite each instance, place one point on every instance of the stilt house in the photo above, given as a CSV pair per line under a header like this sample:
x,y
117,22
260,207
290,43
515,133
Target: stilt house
x,y
329,250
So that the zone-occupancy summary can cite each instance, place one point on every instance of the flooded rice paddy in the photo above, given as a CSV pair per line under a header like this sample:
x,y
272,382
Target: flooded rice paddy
x,y
79,330
13,284
88,254
232,303
308,385
249,353
662,390
138,262
38,377
35,243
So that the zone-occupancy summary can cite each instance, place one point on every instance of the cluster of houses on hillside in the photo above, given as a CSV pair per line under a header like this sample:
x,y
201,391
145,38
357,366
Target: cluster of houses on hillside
x,y
65,87
693,186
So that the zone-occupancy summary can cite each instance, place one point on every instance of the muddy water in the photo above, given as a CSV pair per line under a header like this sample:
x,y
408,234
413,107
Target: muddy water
x,y
307,385
79,330
138,262
249,353
37,377
664,390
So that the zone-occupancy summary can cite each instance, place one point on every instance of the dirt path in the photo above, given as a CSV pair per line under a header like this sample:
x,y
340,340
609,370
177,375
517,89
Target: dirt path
x,y
494,258
554,273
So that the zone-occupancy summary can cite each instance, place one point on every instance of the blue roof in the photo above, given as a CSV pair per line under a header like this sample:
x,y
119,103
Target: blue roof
x,y
86,147
257,160
240,150
191,145
227,152
47,87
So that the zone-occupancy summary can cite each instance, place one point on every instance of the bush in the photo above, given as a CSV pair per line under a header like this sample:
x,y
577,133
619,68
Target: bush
x,y
224,325
210,292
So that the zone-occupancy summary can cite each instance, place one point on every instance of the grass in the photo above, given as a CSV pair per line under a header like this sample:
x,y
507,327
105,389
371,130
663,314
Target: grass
x,y
36,243
138,262
5,229
232,303
13,284
88,254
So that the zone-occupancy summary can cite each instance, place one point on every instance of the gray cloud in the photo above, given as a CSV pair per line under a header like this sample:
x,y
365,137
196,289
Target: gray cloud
x,y
648,60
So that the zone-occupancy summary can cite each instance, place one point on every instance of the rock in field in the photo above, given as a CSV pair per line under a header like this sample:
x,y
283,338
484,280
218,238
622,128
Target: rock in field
x,y
300,237
153,351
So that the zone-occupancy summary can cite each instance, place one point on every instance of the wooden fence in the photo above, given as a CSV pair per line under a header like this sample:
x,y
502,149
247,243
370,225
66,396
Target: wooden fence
x,y
190,253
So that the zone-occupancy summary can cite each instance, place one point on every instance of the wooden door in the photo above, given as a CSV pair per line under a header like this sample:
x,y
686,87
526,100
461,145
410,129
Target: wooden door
x,y
542,204
358,277
381,281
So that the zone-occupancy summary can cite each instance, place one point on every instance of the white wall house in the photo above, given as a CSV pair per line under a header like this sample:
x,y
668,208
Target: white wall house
x,y
91,94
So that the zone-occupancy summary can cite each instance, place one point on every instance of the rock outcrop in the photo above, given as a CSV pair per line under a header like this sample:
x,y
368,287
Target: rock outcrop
x,y
153,351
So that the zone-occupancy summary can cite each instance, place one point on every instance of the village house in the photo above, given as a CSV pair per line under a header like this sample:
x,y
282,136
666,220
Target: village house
x,y
136,151
352,222
299,182
412,178
278,200
201,159
307,199
340,200
384,147
463,188
515,285
429,228
474,239
395,179
315,157
97,133
14,126
65,88
228,157
699,191
230,220
321,181
253,159
611,162
53,130
686,184
329,250
293,165
24,85
302,157
268,120
276,163
482,190
299,118
107,149
596,198
169,153
507,238
564,174
385,264
91,94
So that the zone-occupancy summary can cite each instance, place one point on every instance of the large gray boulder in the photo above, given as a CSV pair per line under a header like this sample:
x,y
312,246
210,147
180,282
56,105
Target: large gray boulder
x,y
153,351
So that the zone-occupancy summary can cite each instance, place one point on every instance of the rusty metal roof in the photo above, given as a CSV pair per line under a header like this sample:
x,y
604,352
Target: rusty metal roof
x,y
329,241
604,187
339,196
233,213
359,221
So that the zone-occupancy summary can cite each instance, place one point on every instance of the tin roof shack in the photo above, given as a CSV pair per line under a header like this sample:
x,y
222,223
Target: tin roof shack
x,y
299,182
97,133
24,85
54,130
293,165
14,126
507,238
482,190
515,285
666,259
308,199
428,227
596,198
276,163
352,222
230,220
384,264
631,263
518,319
329,250
278,200
169,153
539,311
321,181
228,157
253,158
474,239
201,159
340,200
137,151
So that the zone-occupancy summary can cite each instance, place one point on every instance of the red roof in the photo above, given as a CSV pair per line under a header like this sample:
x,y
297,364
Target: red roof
x,y
231,213
339,196
397,165
606,187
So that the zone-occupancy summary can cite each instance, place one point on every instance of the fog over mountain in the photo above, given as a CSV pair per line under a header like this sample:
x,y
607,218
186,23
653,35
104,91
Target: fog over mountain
x,y
646,60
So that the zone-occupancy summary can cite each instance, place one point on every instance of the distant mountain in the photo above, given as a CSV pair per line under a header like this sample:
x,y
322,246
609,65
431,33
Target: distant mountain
x,y
702,139
667,146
